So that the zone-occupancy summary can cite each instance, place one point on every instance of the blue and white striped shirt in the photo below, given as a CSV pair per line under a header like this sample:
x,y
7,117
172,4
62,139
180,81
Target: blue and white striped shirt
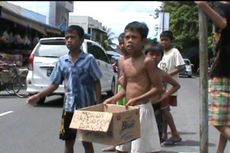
x,y
79,80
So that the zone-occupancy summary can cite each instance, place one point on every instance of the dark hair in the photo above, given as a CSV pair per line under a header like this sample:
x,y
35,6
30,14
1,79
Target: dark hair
x,y
154,47
141,27
168,34
121,37
78,29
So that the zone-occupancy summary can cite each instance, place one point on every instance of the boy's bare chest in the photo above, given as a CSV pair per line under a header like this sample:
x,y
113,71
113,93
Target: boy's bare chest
x,y
133,69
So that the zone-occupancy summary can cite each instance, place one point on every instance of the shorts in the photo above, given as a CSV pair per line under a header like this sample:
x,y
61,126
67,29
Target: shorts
x,y
165,103
172,101
66,133
219,101
149,140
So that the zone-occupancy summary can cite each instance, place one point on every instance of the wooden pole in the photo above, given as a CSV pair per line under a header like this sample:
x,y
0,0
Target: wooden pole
x,y
203,58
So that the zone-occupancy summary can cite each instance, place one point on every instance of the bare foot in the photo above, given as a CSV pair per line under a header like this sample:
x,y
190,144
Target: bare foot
x,y
109,149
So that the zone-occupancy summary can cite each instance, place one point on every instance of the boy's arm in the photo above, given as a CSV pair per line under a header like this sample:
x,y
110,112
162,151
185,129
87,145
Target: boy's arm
x,y
175,85
35,98
217,19
177,70
115,98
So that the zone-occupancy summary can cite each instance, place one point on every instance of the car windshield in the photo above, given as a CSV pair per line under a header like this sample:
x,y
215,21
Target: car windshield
x,y
51,50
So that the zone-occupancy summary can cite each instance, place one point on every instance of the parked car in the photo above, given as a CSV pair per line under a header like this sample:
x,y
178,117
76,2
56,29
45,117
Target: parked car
x,y
45,55
188,68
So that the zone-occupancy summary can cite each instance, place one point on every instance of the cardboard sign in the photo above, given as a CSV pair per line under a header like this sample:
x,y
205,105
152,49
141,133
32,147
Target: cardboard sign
x,y
110,125
89,120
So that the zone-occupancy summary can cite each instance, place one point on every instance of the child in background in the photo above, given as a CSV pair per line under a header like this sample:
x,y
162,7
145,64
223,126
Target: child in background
x,y
155,51
172,62
120,79
120,85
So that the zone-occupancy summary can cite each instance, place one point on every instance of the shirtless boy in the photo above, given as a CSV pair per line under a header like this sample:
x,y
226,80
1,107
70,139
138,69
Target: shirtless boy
x,y
141,82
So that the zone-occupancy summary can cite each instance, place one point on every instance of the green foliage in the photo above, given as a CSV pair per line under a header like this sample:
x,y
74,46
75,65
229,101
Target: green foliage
x,y
184,22
108,38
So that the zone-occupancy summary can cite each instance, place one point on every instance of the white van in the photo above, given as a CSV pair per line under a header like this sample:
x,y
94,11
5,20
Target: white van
x,y
45,55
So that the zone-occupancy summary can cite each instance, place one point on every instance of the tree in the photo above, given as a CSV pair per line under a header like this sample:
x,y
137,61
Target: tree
x,y
184,24
184,21
108,38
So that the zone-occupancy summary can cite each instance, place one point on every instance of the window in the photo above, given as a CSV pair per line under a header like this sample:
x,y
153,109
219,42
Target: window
x,y
97,52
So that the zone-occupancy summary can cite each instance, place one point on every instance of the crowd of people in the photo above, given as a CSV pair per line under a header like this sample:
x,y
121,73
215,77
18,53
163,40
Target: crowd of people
x,y
148,74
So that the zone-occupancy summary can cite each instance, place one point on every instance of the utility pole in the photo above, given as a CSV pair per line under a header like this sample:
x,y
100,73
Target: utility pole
x,y
203,55
163,25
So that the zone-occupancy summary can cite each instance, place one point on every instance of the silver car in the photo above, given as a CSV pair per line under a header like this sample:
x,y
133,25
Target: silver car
x,y
188,68
45,55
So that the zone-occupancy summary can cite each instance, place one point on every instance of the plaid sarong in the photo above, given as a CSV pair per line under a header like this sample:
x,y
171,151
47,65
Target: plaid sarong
x,y
219,101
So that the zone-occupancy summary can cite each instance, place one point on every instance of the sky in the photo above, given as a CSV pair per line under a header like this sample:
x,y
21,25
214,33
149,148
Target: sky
x,y
113,14
117,14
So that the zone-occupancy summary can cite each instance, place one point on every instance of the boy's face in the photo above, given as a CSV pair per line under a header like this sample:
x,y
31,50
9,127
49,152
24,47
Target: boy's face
x,y
122,48
154,55
73,41
133,42
166,42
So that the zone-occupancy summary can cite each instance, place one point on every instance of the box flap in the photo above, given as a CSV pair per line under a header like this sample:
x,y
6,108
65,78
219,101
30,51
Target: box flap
x,y
89,120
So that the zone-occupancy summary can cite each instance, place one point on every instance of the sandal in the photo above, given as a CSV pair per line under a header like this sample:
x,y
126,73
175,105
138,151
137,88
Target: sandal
x,y
163,139
172,141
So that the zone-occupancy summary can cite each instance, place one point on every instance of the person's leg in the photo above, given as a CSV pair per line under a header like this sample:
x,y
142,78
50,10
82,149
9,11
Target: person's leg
x,y
170,121
172,100
67,134
222,144
175,138
225,130
159,118
69,146
164,135
88,146
164,107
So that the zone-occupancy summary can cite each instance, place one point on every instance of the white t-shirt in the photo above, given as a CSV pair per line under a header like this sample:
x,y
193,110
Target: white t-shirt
x,y
170,60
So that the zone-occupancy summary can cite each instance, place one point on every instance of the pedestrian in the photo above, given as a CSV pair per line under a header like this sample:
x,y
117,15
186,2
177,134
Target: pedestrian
x,y
120,78
81,75
124,56
141,82
172,63
219,81
155,51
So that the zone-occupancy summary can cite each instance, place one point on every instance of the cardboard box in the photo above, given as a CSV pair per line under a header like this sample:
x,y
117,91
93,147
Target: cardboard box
x,y
111,125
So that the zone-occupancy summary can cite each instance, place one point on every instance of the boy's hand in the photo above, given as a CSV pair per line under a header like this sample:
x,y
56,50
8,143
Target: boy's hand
x,y
32,100
132,102
109,101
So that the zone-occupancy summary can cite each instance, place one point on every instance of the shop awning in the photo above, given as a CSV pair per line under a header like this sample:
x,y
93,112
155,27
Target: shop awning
x,y
12,13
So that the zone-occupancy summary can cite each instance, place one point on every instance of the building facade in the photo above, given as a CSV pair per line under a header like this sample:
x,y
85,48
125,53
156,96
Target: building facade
x,y
56,12
91,26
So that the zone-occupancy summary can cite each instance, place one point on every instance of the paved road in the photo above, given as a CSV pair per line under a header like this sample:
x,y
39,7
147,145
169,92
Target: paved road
x,y
26,129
